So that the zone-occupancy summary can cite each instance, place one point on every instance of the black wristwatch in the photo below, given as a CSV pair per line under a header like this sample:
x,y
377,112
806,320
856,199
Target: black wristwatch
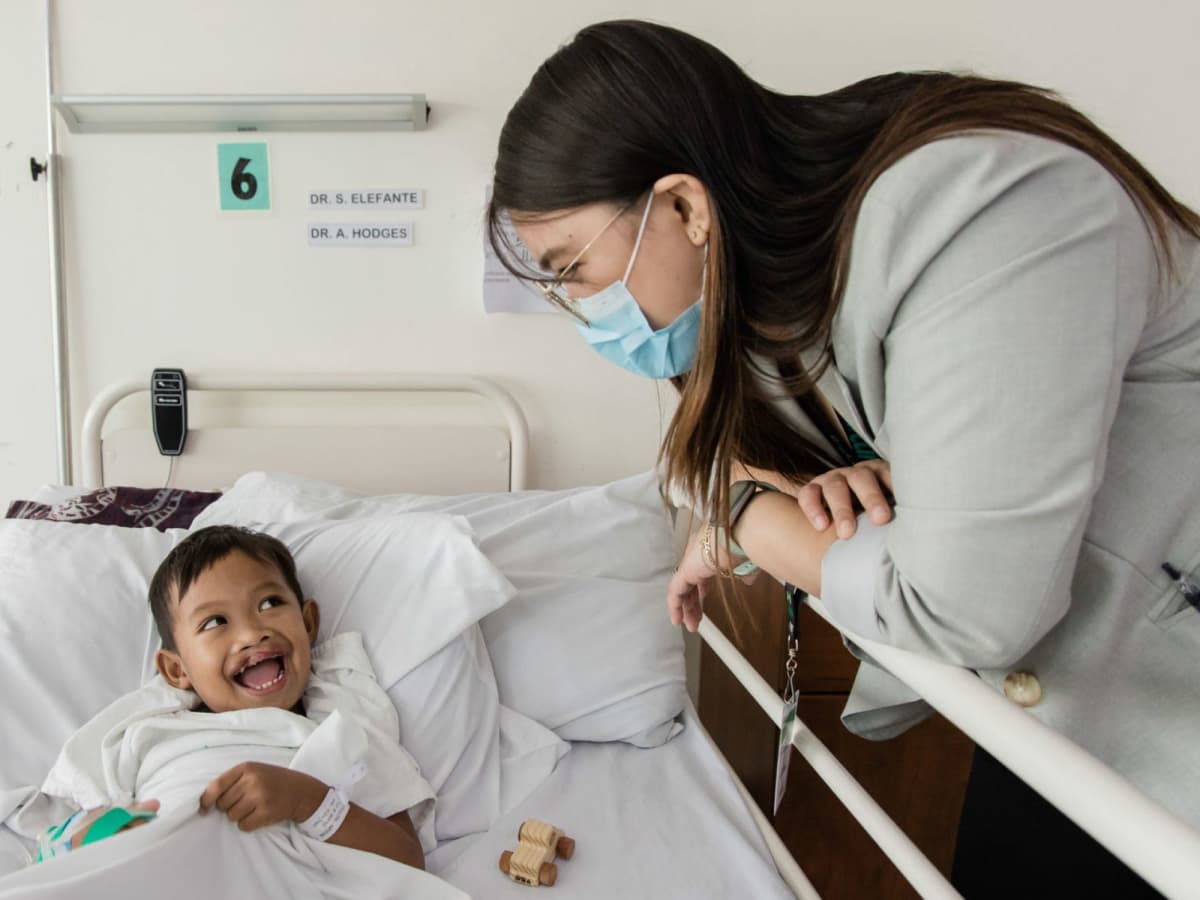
x,y
740,495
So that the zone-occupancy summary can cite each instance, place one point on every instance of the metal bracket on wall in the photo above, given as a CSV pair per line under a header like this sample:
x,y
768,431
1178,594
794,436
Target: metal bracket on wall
x,y
36,168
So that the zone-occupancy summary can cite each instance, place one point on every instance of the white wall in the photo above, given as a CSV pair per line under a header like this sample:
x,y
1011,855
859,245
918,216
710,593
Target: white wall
x,y
156,276
26,366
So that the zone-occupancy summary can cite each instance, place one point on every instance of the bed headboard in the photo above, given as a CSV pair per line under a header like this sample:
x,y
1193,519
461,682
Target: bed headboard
x,y
386,433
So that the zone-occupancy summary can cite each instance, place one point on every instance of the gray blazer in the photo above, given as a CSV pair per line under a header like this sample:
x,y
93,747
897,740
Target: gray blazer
x,y
1005,344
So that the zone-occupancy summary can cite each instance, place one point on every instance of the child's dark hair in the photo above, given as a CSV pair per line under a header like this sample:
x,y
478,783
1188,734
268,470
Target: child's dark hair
x,y
195,553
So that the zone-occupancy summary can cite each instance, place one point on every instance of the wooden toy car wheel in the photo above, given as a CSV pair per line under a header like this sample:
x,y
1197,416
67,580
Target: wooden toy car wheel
x,y
548,874
505,860
566,847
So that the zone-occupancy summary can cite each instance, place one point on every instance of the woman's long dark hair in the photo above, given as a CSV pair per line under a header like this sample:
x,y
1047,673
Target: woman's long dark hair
x,y
628,102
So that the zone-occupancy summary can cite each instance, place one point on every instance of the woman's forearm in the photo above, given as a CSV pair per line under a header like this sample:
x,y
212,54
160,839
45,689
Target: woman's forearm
x,y
777,535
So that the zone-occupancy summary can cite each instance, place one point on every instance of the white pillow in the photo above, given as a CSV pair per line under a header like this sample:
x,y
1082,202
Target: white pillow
x,y
409,584
479,780
585,647
449,721
76,633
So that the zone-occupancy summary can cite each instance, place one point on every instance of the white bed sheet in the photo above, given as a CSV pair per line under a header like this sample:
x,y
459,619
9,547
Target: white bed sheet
x,y
665,823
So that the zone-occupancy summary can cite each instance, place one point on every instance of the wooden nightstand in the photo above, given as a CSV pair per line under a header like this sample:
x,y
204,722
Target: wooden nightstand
x,y
918,778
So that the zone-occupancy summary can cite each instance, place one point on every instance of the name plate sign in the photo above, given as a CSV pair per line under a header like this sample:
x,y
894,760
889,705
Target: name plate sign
x,y
368,198
365,234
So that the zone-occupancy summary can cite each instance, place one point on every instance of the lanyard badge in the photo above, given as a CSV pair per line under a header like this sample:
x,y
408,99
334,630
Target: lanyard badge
x,y
787,727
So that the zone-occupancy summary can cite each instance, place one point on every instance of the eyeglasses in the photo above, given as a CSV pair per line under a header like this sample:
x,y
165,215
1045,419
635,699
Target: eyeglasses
x,y
553,290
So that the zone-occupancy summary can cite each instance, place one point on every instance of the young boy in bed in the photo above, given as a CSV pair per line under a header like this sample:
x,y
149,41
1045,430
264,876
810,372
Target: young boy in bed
x,y
237,636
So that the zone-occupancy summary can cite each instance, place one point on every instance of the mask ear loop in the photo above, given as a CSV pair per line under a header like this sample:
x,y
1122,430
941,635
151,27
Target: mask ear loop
x,y
637,244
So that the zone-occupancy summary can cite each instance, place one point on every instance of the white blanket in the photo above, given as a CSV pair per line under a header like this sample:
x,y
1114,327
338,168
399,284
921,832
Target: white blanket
x,y
190,857
151,745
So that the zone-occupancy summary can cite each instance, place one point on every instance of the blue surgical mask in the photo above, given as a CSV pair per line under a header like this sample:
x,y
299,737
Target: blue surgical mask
x,y
619,331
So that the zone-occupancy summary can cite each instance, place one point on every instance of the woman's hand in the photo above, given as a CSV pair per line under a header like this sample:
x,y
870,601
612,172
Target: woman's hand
x,y
85,825
830,497
255,795
693,580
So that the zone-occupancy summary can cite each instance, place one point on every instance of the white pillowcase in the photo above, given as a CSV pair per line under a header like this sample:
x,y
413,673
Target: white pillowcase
x,y
480,779
76,633
449,712
585,648
409,584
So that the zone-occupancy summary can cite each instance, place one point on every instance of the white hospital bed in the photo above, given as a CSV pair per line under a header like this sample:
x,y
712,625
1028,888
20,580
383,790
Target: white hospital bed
x,y
646,820
656,817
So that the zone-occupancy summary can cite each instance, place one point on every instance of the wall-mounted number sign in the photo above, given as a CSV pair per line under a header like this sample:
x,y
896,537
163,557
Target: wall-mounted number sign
x,y
244,178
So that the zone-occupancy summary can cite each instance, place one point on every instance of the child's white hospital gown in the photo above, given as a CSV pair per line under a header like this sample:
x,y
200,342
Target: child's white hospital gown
x,y
151,744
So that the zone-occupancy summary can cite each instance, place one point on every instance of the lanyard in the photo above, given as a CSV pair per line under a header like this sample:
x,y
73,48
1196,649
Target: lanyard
x,y
848,454
845,453
794,597
788,723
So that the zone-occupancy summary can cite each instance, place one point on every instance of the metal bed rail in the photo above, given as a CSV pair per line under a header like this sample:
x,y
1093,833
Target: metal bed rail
x,y
518,430
1152,841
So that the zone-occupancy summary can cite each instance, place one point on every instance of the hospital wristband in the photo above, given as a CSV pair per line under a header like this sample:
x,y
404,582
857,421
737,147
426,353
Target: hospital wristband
x,y
329,816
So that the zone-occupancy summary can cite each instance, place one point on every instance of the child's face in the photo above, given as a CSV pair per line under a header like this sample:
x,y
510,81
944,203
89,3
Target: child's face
x,y
242,638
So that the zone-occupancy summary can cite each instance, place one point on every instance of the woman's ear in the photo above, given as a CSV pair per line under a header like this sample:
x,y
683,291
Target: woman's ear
x,y
689,198
312,619
170,667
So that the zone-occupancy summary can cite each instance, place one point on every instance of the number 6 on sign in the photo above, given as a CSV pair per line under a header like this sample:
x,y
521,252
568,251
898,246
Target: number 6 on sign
x,y
242,172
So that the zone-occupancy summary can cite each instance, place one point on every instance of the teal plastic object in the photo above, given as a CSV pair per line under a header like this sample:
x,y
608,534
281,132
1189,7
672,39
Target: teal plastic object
x,y
112,822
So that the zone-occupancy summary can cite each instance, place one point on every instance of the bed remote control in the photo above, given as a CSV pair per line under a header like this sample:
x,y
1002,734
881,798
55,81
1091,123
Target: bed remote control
x,y
168,406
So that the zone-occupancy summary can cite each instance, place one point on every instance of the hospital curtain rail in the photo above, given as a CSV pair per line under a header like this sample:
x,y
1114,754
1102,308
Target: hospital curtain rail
x,y
1153,842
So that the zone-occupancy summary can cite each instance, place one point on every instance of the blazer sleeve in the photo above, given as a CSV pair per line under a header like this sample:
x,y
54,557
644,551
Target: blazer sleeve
x,y
1006,279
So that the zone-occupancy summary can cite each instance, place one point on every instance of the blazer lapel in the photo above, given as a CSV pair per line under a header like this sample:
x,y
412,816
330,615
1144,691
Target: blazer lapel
x,y
831,385
789,410
835,389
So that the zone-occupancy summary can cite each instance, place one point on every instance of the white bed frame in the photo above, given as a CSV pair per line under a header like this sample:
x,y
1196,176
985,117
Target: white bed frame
x,y
487,449
398,440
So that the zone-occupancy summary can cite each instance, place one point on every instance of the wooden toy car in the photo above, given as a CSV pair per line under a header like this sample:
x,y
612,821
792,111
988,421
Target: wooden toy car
x,y
532,862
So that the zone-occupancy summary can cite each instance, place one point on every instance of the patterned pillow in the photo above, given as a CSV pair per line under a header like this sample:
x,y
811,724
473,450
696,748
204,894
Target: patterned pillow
x,y
128,507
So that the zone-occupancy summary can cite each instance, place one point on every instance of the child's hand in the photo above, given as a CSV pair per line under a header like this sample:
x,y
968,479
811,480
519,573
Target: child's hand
x,y
85,825
255,795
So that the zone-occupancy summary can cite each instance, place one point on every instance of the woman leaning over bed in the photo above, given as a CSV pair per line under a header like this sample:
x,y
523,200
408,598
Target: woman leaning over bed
x,y
961,276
